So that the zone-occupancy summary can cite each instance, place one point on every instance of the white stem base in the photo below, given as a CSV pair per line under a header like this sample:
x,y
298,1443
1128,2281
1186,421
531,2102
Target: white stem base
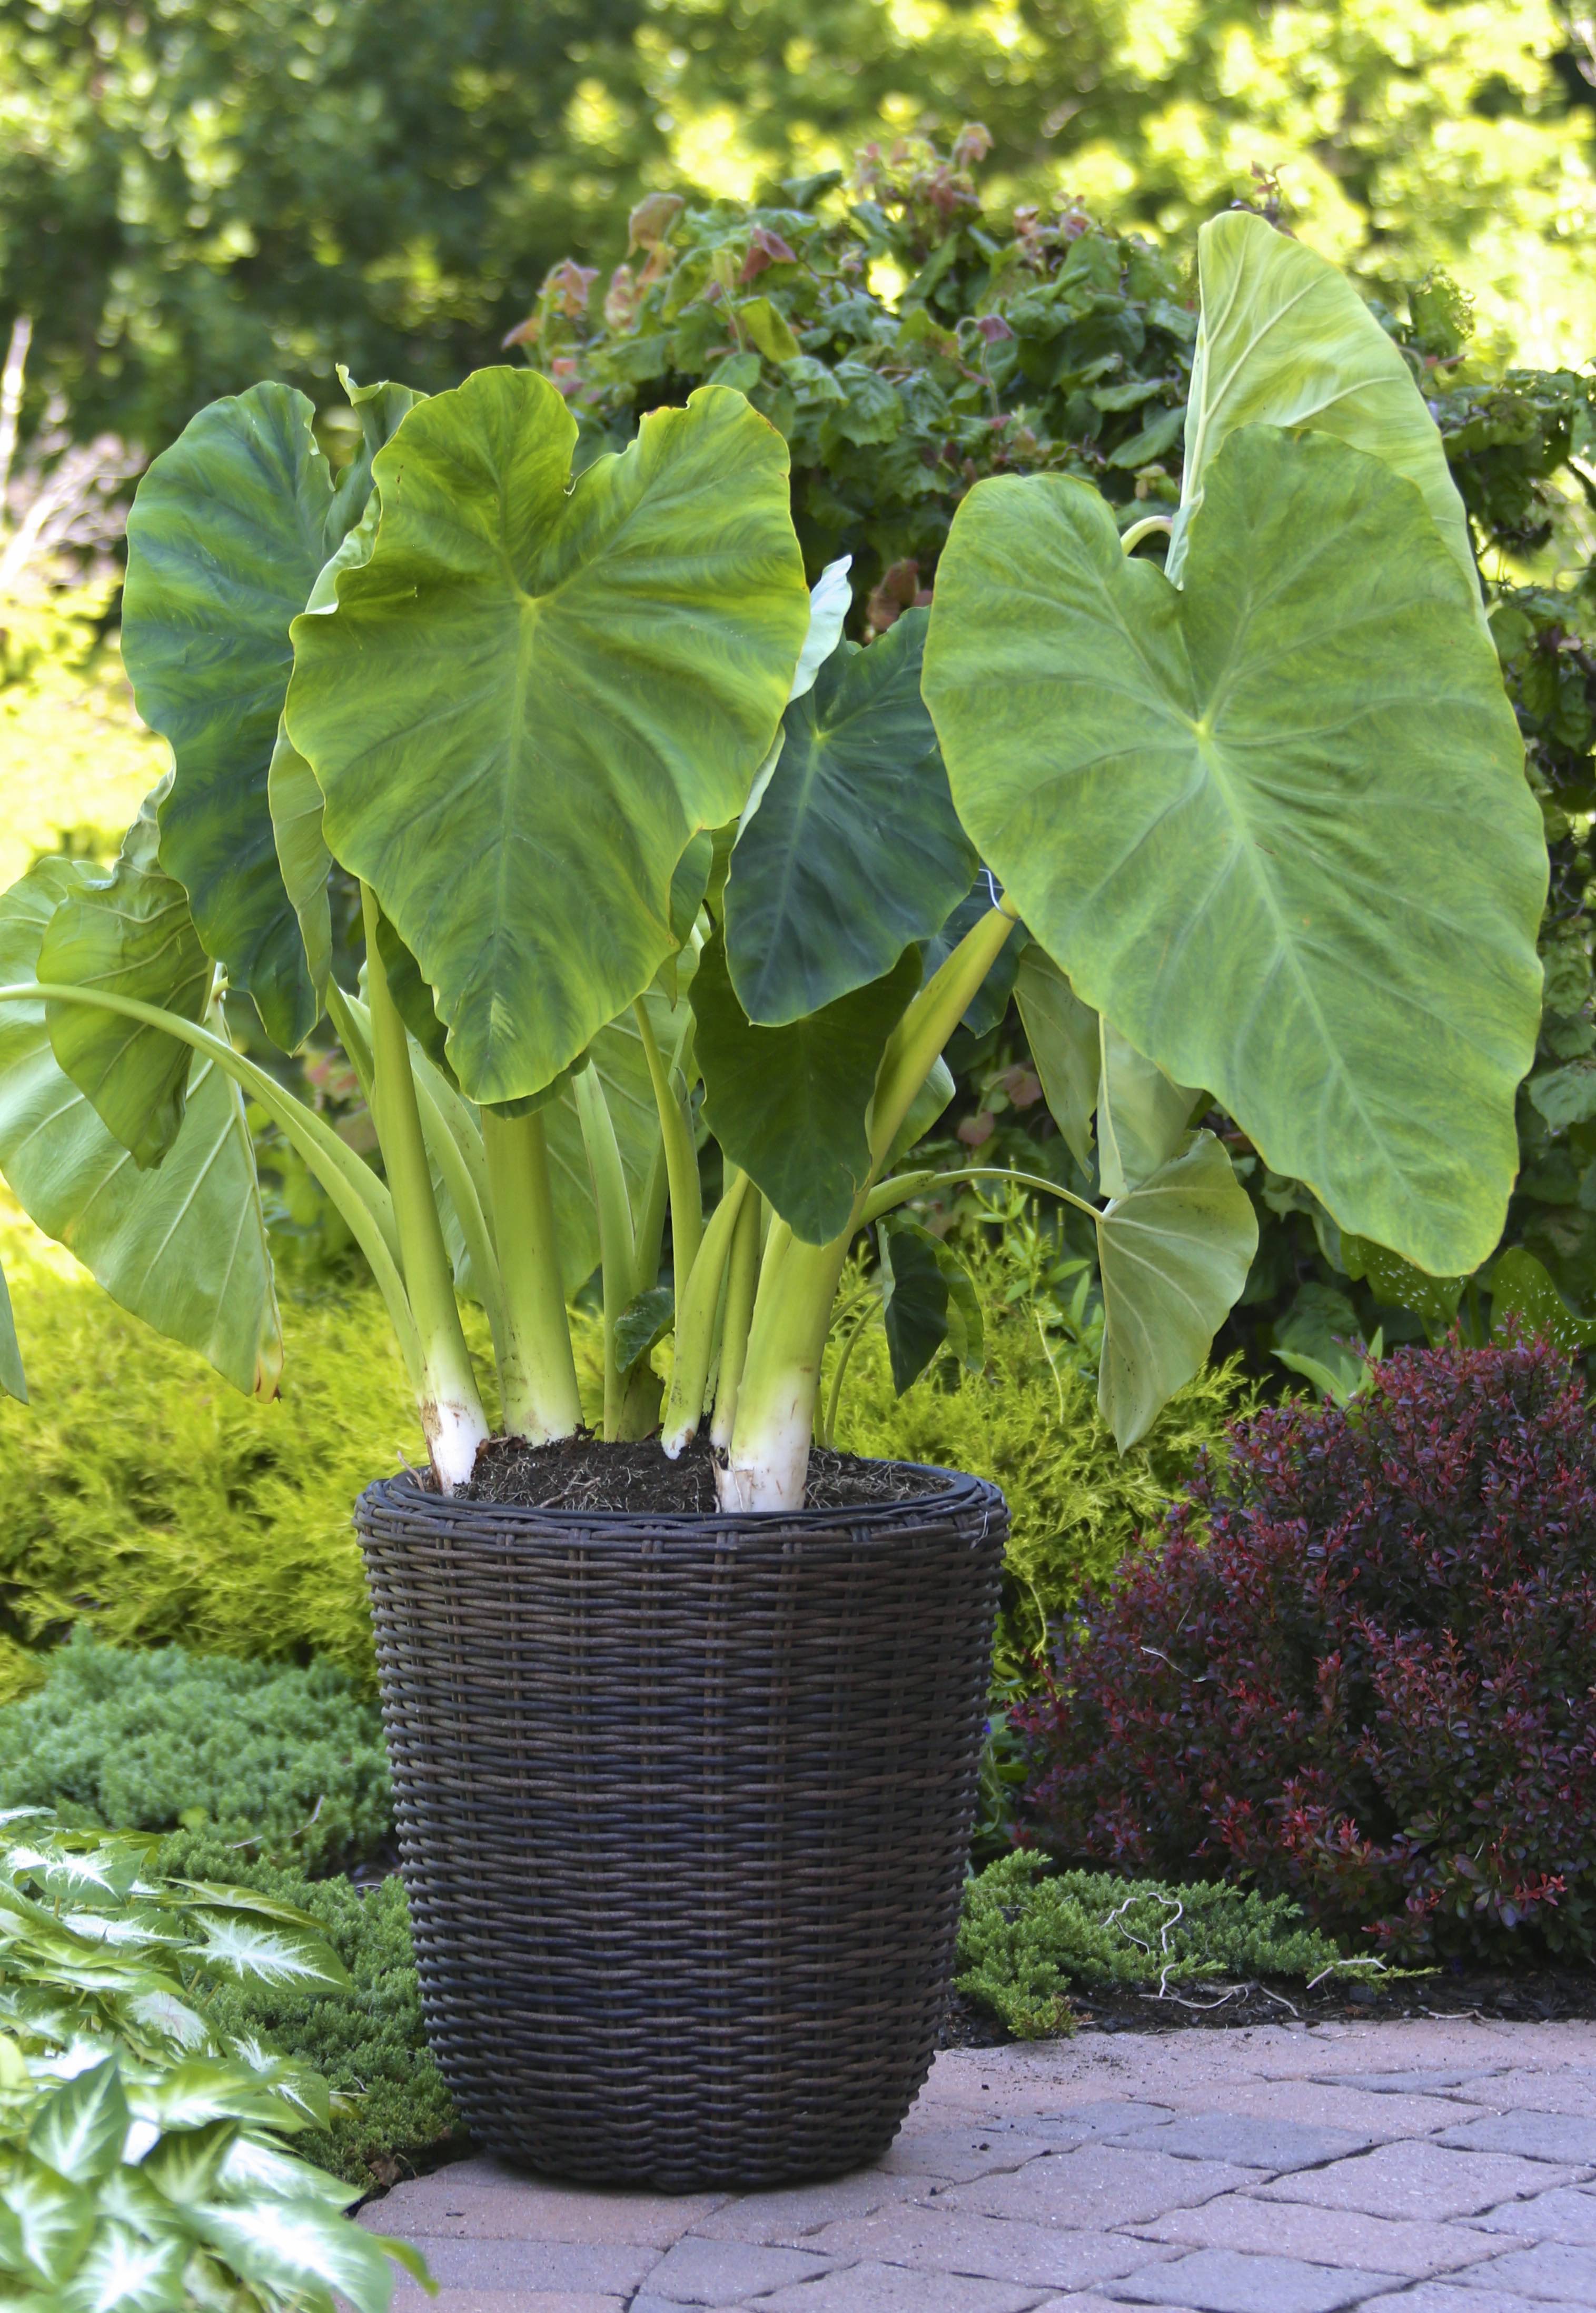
x,y
768,1470
453,1432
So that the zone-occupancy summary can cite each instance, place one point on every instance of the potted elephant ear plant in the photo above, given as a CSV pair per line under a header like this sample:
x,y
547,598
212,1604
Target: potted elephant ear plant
x,y
685,1717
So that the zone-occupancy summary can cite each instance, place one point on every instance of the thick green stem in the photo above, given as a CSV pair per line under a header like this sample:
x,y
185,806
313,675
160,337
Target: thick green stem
x,y
537,1374
780,1382
681,1158
360,1199
352,1023
775,1417
916,1042
461,1187
742,1283
617,1248
451,1413
698,1305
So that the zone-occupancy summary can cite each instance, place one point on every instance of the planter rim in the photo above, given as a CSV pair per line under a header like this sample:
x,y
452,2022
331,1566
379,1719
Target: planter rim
x,y
860,1524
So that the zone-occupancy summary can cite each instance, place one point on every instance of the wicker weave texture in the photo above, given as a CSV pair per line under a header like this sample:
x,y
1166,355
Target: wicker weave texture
x,y
684,1807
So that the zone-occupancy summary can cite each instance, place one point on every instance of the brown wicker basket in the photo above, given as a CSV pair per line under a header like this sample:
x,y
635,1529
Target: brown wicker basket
x,y
684,1807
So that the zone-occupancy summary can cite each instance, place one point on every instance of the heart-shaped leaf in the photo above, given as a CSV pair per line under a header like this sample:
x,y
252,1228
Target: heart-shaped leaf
x,y
130,934
228,531
1172,1257
1274,826
1285,339
537,691
789,1104
183,1247
855,851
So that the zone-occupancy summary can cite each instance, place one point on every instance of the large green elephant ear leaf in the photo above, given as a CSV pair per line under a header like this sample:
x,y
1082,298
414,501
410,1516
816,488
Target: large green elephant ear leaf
x,y
1284,339
1273,824
855,852
1172,1258
790,1105
128,933
227,534
183,1246
536,693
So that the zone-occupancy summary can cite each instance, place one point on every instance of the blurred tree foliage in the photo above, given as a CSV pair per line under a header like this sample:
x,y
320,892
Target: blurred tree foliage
x,y
194,193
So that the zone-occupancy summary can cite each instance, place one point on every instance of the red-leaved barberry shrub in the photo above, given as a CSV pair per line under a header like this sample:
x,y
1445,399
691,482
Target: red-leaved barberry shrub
x,y
1359,1668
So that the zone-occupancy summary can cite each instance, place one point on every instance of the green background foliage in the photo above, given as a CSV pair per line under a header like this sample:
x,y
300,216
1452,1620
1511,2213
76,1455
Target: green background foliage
x,y
194,195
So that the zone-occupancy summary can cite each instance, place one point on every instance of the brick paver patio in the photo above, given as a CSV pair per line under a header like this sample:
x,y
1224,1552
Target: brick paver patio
x,y
1423,2168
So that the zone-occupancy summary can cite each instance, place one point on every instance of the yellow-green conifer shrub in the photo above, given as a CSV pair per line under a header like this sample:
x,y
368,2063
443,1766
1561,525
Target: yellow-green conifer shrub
x,y
1030,1422
147,1499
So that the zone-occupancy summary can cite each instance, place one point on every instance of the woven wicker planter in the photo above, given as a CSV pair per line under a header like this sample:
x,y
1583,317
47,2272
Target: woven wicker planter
x,y
683,1805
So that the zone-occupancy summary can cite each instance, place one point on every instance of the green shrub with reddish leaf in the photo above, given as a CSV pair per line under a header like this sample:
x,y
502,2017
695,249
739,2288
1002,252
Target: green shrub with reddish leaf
x,y
1361,1669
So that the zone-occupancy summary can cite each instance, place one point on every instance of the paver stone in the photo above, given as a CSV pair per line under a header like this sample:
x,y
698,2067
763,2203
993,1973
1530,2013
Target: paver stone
x,y
893,2289
1330,2236
1225,2281
1097,2187
1555,2270
1249,2143
936,2240
1537,2135
698,2271
1420,2180
1568,2214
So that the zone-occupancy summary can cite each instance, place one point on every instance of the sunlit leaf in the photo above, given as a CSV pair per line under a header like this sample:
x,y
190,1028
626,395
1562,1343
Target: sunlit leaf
x,y
257,1951
566,682
297,2245
1273,826
124,2272
1284,339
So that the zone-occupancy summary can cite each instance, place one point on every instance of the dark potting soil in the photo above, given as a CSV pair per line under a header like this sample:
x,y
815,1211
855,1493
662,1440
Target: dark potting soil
x,y
586,1474
1539,1996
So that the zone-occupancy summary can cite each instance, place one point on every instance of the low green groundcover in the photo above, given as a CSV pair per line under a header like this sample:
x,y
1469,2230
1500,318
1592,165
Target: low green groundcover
x,y
1029,1935
290,1760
